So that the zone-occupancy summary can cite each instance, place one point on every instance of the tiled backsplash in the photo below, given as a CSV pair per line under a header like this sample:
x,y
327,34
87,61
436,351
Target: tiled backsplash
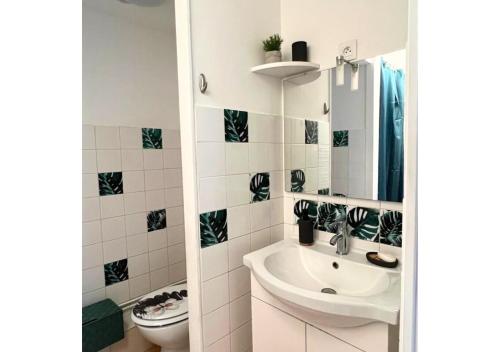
x,y
133,232
240,176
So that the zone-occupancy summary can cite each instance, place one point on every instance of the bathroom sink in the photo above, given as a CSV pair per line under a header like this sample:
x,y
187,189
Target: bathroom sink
x,y
352,286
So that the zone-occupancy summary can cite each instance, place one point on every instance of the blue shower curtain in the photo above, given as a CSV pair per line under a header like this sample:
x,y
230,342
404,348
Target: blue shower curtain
x,y
390,165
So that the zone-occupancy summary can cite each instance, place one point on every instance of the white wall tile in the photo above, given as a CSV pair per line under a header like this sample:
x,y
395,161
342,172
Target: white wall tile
x,y
136,223
132,160
109,160
238,221
222,345
215,325
212,194
288,204
91,256
131,137
134,202
277,216
214,261
260,128
241,338
215,293
277,233
298,156
133,181
91,209
137,244
276,184
312,155
91,232
209,124
311,184
159,278
90,187
157,239
107,137
211,159
238,190
118,292
171,139
277,156
260,158
240,311
158,259
260,239
173,197
155,199
237,248
239,282
177,272
139,286
93,279
113,228
138,265
176,253
172,159
260,215
114,250
175,216
153,180
153,159
88,137
93,297
175,234
89,161
298,131
237,158
173,178
277,129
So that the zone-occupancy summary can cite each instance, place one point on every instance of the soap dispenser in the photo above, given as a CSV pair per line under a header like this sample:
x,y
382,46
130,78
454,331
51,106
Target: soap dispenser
x,y
305,230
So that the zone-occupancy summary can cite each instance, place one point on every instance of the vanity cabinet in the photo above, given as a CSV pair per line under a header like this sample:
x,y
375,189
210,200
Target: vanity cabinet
x,y
319,341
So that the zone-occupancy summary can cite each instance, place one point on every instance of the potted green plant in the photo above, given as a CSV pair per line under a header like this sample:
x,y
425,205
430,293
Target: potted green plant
x,y
272,48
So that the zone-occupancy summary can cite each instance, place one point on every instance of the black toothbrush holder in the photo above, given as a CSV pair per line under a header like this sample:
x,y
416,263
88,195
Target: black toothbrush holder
x,y
306,237
299,51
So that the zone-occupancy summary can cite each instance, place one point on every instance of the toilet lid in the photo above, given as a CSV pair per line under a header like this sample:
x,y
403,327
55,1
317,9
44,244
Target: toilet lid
x,y
162,307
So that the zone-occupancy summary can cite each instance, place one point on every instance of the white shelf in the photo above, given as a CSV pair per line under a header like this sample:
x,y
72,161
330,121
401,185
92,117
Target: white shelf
x,y
285,69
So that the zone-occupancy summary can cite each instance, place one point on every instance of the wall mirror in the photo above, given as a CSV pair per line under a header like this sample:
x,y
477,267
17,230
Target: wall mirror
x,y
347,139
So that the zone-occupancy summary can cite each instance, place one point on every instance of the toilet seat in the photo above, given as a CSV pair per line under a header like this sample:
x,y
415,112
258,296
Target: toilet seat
x,y
177,313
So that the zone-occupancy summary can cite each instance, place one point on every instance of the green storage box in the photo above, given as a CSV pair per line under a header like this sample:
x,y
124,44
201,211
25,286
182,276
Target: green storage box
x,y
102,325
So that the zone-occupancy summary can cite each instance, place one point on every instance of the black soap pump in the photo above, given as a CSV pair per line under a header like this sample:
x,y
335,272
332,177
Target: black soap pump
x,y
305,230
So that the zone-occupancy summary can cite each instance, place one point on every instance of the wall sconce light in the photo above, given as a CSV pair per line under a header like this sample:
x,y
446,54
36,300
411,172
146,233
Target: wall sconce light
x,y
354,76
340,72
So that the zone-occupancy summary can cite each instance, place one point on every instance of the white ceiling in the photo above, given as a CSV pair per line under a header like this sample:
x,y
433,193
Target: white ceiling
x,y
161,17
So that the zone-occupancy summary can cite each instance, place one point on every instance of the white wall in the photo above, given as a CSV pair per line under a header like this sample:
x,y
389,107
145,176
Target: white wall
x,y
129,73
380,26
226,43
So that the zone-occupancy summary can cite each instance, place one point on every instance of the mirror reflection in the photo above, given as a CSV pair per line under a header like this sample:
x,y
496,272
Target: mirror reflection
x,y
345,137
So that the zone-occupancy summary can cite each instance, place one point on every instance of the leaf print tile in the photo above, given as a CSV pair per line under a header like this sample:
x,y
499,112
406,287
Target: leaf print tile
x,y
391,228
363,223
298,179
311,207
328,214
340,138
152,138
110,183
236,125
157,220
116,272
260,187
311,132
213,228
324,191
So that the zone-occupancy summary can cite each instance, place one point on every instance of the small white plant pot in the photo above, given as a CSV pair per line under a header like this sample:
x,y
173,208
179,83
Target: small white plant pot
x,y
272,56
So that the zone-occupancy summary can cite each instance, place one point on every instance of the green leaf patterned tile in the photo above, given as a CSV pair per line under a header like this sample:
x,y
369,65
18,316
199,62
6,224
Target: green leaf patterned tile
x,y
213,228
391,228
157,220
116,272
152,138
110,183
260,187
363,223
311,207
340,138
298,178
311,132
328,214
324,191
236,125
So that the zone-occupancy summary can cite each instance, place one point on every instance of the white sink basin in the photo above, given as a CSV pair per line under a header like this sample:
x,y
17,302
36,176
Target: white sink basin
x,y
296,274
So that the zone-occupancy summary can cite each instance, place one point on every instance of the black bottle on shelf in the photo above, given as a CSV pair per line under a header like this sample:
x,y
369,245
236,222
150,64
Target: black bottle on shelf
x,y
299,51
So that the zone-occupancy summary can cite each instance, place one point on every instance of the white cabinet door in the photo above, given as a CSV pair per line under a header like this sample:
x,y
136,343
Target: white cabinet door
x,y
276,331
319,341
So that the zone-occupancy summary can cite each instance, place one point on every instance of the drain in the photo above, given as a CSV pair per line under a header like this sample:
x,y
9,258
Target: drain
x,y
329,290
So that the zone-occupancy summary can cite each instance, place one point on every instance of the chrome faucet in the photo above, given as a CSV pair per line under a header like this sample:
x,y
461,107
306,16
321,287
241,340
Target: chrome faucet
x,y
341,239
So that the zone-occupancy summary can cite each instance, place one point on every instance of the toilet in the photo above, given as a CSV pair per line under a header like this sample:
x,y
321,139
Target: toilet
x,y
162,318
